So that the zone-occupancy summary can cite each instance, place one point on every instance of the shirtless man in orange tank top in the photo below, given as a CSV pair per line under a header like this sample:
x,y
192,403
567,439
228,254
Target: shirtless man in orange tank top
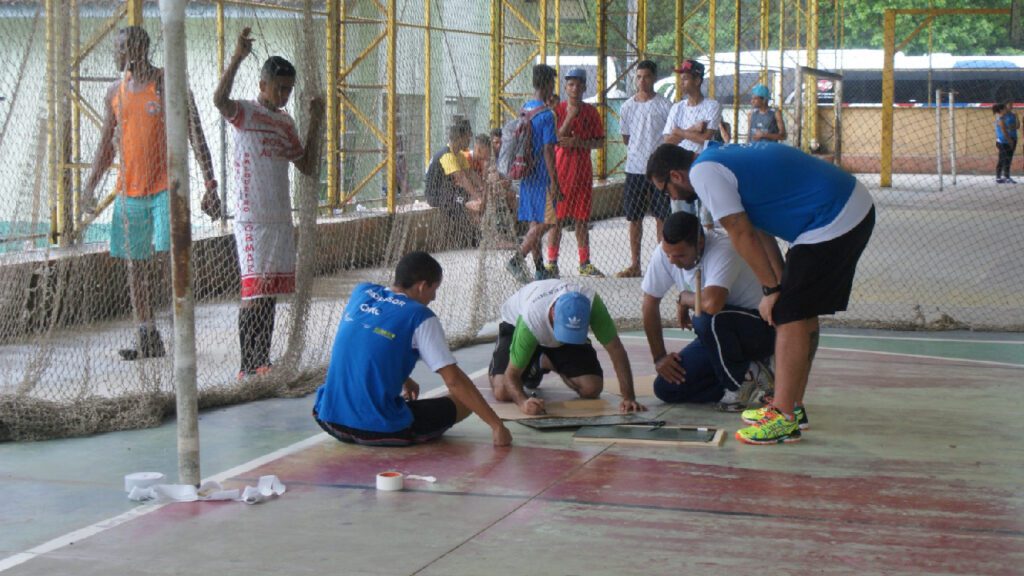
x,y
134,125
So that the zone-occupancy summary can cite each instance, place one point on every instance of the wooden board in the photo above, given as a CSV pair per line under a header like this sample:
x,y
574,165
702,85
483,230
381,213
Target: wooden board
x,y
557,408
652,435
570,422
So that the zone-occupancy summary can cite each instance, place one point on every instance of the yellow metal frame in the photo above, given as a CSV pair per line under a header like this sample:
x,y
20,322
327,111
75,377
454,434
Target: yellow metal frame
x,y
888,69
541,37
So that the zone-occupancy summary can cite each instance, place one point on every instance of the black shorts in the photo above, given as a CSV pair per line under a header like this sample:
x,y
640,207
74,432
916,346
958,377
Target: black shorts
x,y
640,197
818,278
569,360
430,419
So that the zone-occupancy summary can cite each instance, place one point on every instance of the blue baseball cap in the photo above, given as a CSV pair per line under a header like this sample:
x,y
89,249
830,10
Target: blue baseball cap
x,y
578,73
761,91
572,318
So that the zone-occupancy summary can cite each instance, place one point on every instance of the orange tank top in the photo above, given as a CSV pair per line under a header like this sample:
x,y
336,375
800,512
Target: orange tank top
x,y
140,119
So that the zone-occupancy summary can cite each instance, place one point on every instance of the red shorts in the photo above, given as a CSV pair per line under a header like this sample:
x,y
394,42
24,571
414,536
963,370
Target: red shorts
x,y
577,196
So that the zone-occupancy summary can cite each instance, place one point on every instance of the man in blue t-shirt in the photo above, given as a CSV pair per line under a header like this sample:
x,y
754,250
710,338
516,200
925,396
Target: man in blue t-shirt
x,y
368,397
762,192
538,191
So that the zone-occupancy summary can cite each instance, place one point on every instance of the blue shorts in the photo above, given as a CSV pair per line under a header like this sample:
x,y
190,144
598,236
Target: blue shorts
x,y
641,197
532,201
140,226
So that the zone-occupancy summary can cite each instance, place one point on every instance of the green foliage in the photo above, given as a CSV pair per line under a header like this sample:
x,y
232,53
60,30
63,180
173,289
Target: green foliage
x,y
957,34
861,22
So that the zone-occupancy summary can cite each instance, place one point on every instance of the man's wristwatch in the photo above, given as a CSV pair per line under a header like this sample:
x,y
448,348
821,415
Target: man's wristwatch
x,y
769,290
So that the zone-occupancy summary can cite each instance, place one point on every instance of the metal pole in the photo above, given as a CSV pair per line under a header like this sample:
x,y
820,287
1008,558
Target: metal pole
x,y
798,89
331,65
680,22
134,12
176,111
392,109
765,42
837,126
938,135
782,55
426,84
222,122
62,127
342,132
51,114
736,71
641,29
811,90
496,62
712,43
602,83
542,30
888,89
558,40
952,136
76,119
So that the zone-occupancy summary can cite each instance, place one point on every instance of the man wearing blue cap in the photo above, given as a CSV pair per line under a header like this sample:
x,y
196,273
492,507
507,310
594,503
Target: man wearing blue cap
x,y
766,124
762,192
544,328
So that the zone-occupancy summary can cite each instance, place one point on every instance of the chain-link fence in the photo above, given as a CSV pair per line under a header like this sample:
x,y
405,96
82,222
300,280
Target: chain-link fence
x,y
412,91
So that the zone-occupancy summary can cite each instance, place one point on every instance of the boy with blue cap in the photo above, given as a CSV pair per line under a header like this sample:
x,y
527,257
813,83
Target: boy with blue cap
x,y
579,131
544,328
766,124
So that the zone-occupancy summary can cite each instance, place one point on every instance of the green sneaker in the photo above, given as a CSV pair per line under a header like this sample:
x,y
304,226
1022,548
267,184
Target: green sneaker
x,y
588,269
772,429
755,415
551,270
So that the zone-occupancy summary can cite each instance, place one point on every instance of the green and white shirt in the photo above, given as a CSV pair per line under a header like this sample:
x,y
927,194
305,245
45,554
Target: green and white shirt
x,y
529,311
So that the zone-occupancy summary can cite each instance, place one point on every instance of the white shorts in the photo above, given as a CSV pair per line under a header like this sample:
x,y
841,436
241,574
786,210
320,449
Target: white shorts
x,y
266,258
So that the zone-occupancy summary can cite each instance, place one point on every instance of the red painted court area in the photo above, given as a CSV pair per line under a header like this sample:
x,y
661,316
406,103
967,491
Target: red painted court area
x,y
912,465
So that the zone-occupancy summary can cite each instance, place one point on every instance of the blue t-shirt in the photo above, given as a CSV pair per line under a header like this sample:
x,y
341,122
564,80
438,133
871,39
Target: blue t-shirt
x,y
371,359
543,132
784,191
1010,120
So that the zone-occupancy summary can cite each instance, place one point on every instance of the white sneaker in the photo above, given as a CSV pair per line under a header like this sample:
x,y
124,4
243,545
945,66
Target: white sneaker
x,y
730,401
760,382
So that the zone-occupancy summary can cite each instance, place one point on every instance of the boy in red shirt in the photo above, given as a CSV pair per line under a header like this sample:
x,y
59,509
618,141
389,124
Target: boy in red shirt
x,y
579,131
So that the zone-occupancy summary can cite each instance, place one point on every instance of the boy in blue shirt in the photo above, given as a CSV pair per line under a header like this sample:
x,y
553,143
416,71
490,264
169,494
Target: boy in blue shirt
x,y
368,397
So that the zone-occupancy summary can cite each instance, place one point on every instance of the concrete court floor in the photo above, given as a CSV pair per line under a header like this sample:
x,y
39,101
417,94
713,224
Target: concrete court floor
x,y
913,465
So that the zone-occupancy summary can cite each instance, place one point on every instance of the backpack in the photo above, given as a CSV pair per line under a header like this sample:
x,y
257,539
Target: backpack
x,y
516,161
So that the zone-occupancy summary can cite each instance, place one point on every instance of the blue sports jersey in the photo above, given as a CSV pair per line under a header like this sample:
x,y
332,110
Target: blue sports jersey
x,y
371,359
784,191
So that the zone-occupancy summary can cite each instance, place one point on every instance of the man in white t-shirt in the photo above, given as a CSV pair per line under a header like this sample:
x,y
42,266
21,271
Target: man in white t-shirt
x,y
545,328
641,121
694,120
731,336
265,143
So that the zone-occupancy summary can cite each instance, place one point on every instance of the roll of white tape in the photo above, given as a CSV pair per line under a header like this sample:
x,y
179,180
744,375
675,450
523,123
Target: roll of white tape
x,y
389,481
142,480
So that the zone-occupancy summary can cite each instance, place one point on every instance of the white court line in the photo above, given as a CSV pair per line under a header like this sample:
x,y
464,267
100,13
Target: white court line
x,y
904,338
923,339
905,355
946,358
143,509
